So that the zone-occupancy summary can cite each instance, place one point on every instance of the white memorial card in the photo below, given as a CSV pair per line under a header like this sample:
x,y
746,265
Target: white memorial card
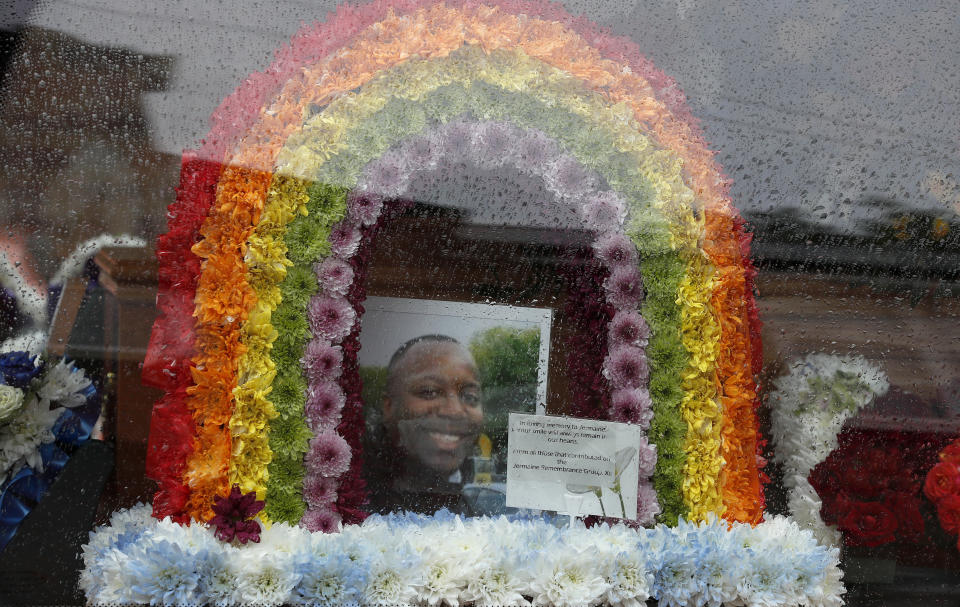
x,y
572,466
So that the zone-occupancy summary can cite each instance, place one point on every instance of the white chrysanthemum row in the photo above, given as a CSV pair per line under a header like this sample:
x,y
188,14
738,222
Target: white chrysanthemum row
x,y
808,408
446,560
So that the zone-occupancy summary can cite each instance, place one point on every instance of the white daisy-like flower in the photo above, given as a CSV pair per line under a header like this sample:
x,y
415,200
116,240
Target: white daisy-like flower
x,y
20,438
218,580
495,583
629,580
63,384
264,578
393,578
567,578
114,580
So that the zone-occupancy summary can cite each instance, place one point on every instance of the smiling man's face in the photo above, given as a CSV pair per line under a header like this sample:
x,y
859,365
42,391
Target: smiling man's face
x,y
433,401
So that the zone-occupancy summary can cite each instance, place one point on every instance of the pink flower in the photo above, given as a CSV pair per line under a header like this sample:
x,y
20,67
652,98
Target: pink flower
x,y
335,275
628,327
325,401
365,208
604,212
319,490
344,239
646,458
624,287
324,520
631,406
331,317
626,367
647,505
615,249
322,360
328,455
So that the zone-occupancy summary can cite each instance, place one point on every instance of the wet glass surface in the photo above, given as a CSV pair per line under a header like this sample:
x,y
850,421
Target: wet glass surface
x,y
835,123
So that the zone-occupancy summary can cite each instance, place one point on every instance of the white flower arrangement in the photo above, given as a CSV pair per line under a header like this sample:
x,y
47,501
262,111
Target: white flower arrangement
x,y
30,408
808,408
446,560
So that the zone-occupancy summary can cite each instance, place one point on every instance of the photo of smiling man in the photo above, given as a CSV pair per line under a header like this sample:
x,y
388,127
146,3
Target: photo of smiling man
x,y
439,379
432,415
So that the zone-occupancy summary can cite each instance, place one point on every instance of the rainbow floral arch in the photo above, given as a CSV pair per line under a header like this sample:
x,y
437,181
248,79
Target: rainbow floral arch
x,y
261,271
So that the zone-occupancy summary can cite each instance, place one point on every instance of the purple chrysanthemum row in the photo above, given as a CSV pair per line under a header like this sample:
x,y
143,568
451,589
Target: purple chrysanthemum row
x,y
332,318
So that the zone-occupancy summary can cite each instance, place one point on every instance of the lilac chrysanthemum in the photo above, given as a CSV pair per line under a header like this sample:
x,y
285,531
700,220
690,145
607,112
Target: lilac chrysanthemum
x,y
534,150
320,490
334,274
629,328
325,520
423,153
647,505
624,287
631,406
604,212
495,143
646,458
365,207
568,178
322,360
626,367
615,250
328,455
325,402
455,135
345,238
331,317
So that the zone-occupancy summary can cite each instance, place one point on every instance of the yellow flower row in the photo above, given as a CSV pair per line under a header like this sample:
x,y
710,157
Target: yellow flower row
x,y
267,263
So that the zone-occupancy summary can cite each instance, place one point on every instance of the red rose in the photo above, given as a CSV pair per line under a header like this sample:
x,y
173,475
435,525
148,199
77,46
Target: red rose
x,y
942,480
861,480
834,506
907,510
948,511
868,524
951,453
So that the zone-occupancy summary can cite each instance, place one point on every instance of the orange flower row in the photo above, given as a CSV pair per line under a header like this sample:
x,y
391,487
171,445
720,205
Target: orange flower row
x,y
223,301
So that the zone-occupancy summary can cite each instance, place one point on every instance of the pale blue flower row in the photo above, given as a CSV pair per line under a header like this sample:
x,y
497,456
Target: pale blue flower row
x,y
446,560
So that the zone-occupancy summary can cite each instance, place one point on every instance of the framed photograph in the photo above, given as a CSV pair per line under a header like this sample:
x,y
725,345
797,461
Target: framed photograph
x,y
440,379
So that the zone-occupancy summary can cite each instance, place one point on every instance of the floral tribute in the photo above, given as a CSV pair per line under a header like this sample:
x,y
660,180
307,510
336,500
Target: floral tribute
x,y
46,408
808,408
261,270
445,560
942,487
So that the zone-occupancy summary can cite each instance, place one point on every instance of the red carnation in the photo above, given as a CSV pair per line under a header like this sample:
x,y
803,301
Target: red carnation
x,y
942,480
948,511
234,516
868,524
